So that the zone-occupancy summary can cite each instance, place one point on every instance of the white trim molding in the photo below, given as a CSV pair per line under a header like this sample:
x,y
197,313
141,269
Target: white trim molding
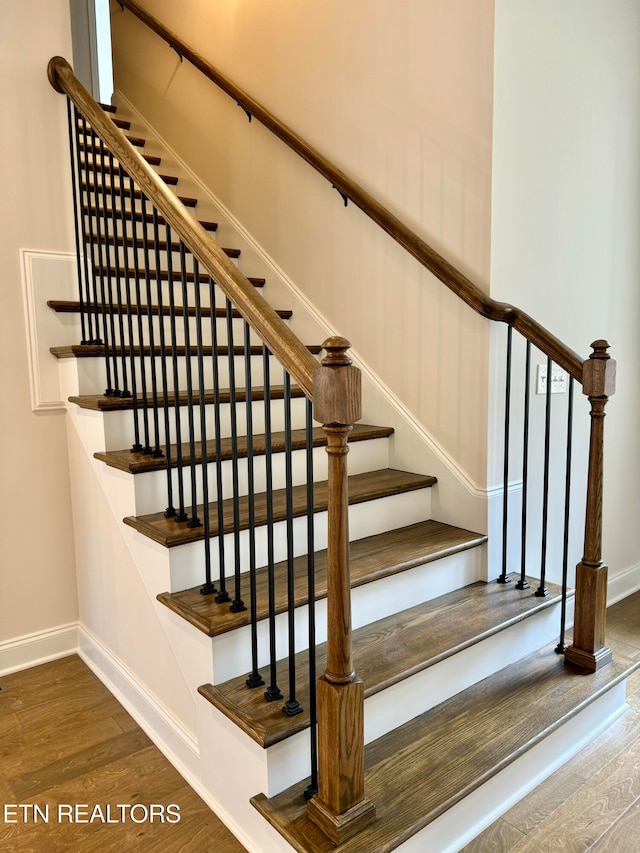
x,y
47,275
37,648
179,745
623,584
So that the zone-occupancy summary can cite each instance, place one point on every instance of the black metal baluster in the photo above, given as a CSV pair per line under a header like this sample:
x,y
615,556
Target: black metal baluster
x,y
123,177
208,587
237,605
108,273
523,583
504,577
139,447
170,512
254,679
118,272
562,646
223,596
312,788
291,707
89,249
100,268
194,521
542,590
85,338
272,693
163,363
156,452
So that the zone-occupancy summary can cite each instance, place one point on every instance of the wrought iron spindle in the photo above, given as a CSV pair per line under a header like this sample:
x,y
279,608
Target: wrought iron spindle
x,y
123,178
523,583
194,521
156,452
254,679
562,646
237,605
223,596
312,788
291,707
208,587
108,276
145,446
101,262
119,271
89,248
504,577
272,693
85,338
170,512
542,590
163,362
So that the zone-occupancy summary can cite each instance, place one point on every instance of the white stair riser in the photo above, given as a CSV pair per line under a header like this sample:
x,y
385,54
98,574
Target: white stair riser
x,y
151,487
221,329
93,373
119,429
370,602
365,519
400,703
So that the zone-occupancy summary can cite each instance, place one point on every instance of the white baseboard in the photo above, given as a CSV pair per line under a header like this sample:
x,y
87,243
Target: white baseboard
x,y
41,647
178,744
622,584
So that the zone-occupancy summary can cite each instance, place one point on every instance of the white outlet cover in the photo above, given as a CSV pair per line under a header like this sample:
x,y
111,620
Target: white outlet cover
x,y
558,379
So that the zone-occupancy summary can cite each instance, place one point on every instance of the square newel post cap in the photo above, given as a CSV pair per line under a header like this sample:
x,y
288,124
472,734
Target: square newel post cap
x,y
337,385
599,372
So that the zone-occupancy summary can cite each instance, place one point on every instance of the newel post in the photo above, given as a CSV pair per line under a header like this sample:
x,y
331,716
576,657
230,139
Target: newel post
x,y
588,649
339,808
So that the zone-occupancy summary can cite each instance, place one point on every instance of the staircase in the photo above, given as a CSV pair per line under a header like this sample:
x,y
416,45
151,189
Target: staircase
x,y
467,705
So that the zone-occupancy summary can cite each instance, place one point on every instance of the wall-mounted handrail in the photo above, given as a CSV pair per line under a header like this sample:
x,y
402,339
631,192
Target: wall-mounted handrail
x,y
415,245
278,337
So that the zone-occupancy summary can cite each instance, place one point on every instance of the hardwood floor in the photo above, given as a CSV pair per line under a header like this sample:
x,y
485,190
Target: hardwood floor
x,y
65,740
593,802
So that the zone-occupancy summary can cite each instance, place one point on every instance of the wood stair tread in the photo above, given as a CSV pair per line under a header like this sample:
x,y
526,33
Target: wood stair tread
x,y
136,141
172,180
101,403
386,652
362,487
98,351
412,780
70,306
108,108
373,557
138,463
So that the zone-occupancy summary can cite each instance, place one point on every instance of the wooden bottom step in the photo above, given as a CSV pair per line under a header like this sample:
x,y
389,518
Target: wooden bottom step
x,y
372,558
420,770
387,652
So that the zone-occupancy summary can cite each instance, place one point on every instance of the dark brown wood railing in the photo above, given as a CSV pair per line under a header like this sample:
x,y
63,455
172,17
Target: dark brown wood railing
x,y
415,245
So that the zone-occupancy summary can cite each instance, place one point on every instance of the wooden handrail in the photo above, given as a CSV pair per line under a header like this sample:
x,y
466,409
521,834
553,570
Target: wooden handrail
x,y
283,343
415,245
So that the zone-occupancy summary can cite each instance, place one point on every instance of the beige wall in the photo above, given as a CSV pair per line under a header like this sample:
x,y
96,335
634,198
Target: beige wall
x,y
566,207
379,88
37,576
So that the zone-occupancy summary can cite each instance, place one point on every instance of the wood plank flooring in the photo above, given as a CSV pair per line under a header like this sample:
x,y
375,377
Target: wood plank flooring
x,y
593,802
64,739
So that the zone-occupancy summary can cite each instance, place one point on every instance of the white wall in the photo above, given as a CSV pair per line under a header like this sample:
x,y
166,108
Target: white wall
x,y
566,206
399,95
37,577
